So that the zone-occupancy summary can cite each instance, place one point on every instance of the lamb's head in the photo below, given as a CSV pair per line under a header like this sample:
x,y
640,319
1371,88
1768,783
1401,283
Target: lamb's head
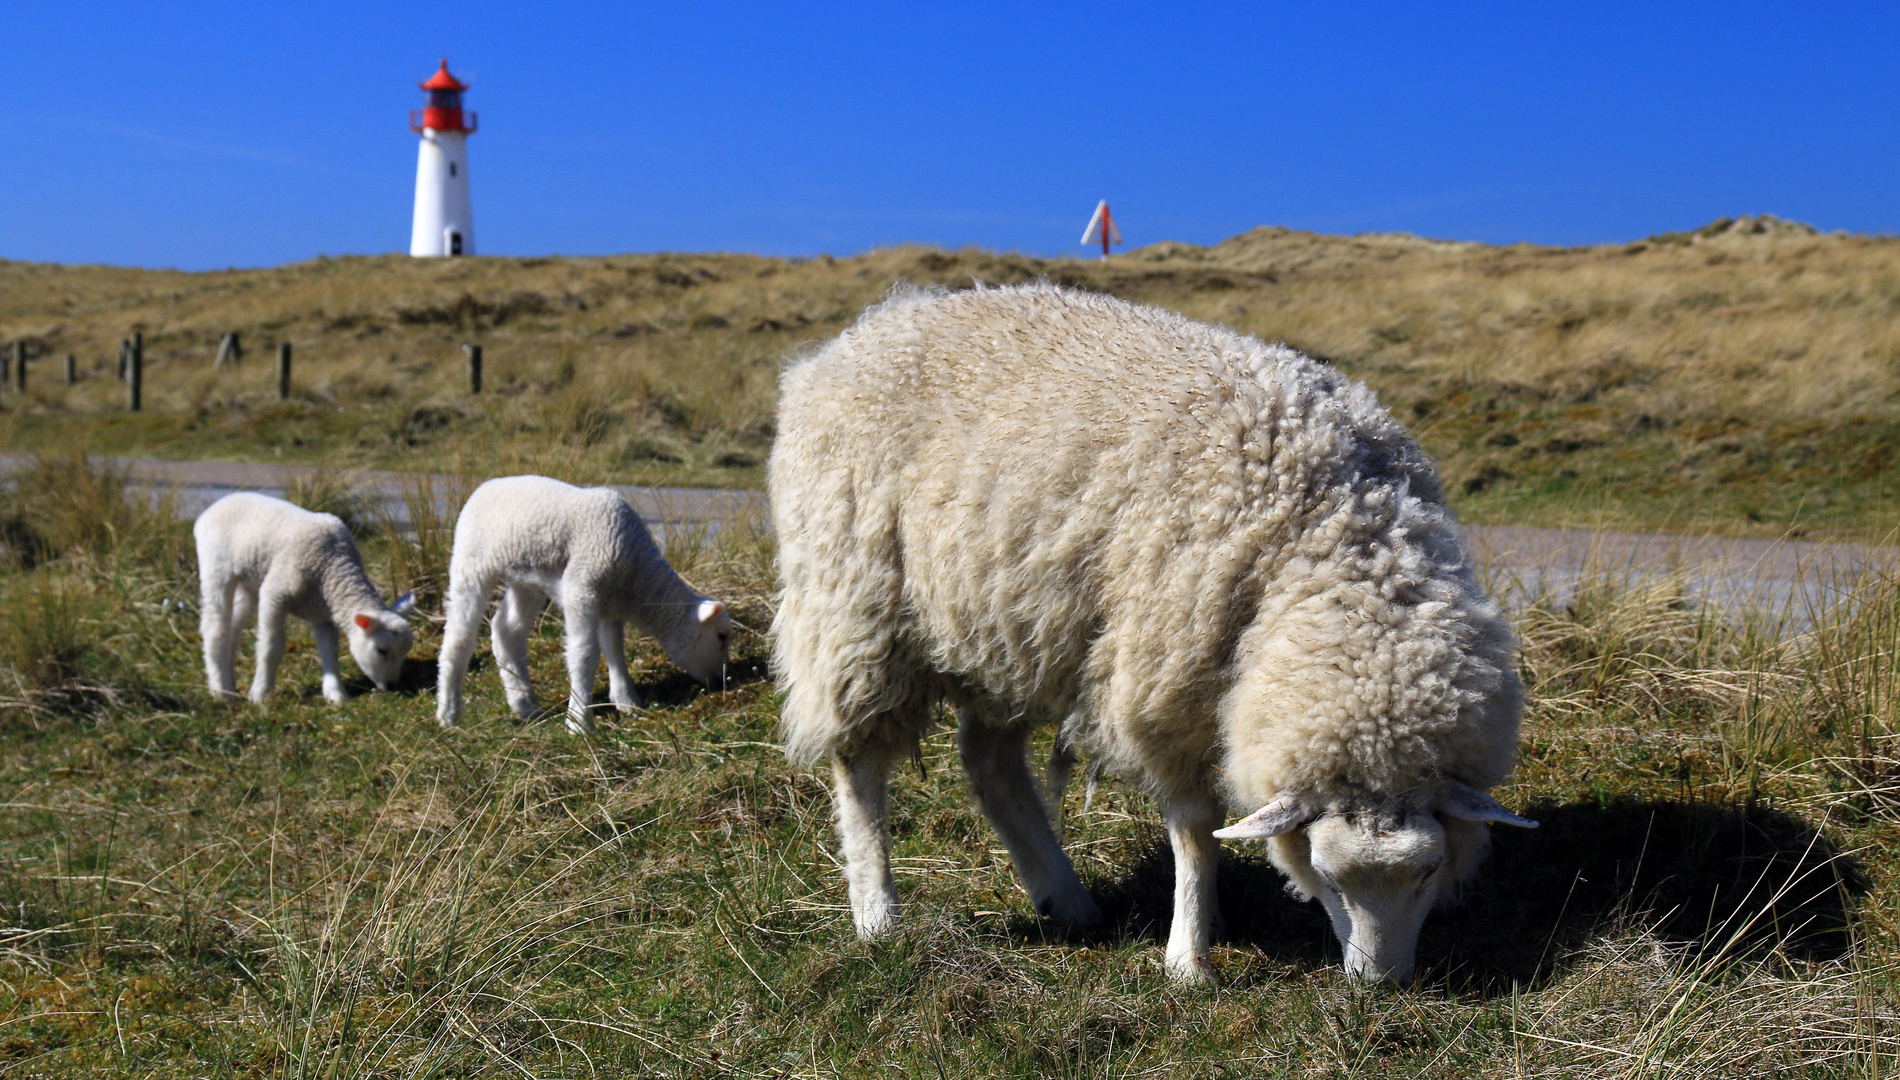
x,y
1379,865
702,643
380,640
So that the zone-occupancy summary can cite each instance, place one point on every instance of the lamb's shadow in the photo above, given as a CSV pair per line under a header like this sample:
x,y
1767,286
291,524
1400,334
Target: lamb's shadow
x,y
668,687
418,677
1713,879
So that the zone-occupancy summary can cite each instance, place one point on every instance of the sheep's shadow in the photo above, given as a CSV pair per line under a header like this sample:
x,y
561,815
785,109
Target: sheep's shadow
x,y
1712,879
418,677
667,687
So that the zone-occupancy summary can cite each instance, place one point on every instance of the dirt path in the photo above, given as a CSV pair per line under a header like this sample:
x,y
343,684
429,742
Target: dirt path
x,y
1519,559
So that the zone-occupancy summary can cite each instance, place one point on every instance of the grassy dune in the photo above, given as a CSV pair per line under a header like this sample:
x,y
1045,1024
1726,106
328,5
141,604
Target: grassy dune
x,y
192,888
1740,379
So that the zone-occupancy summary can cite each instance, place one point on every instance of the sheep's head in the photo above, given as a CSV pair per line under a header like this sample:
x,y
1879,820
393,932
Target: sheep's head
x,y
702,643
1378,865
380,641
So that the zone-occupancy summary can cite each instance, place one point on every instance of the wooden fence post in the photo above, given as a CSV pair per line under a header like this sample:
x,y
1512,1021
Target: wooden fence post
x,y
72,369
474,368
19,366
125,353
283,371
135,371
230,350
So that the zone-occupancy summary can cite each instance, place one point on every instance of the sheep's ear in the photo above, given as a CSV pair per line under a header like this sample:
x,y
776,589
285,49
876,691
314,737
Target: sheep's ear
x,y
404,604
364,622
710,610
1467,803
1284,814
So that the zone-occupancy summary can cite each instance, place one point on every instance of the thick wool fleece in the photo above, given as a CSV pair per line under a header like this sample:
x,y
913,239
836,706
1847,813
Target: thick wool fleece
x,y
1219,564
1217,556
264,558
588,551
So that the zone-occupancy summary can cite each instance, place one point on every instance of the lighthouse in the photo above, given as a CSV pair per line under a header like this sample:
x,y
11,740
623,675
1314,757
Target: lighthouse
x,y
444,224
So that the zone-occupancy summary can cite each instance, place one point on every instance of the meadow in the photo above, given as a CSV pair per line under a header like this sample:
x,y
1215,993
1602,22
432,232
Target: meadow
x,y
1737,379
193,888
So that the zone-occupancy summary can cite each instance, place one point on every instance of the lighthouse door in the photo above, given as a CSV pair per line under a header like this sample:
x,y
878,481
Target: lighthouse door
x,y
455,242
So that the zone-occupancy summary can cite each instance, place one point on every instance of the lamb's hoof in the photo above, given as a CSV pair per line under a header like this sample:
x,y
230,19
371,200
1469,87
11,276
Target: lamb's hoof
x,y
524,708
1190,970
874,922
579,726
626,707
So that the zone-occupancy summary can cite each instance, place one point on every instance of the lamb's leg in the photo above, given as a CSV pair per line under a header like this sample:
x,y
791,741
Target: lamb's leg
x,y
613,646
515,615
861,792
1191,825
461,625
271,615
219,631
326,635
996,759
583,657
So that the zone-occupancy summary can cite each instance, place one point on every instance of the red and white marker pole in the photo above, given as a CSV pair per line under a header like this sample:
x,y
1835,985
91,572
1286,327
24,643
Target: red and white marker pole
x,y
1102,227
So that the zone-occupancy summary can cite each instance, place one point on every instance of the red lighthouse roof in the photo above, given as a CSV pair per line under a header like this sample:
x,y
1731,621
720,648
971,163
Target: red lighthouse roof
x,y
442,80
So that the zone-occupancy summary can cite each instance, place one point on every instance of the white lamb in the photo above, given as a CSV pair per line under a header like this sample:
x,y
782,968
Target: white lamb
x,y
588,551
264,558
1218,564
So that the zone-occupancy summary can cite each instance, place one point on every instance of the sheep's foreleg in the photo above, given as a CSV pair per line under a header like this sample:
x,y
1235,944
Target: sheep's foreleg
x,y
1191,825
996,760
326,635
861,793
515,615
583,658
613,646
270,646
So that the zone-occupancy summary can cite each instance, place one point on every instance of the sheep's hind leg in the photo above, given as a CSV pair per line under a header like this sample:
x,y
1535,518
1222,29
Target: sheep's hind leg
x,y
861,792
462,622
1191,825
996,759
220,632
613,646
515,615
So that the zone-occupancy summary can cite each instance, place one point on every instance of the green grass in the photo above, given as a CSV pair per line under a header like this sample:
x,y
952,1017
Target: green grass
x,y
192,888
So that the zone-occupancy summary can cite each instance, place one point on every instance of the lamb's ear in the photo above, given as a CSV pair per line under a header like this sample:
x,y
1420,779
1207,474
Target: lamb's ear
x,y
364,622
1283,814
1467,803
710,610
404,604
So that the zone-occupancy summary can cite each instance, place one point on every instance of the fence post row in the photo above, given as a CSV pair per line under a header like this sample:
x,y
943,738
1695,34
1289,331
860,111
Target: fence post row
x,y
474,368
283,371
135,371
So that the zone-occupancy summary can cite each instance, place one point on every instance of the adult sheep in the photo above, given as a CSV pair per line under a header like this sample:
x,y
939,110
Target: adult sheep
x,y
1219,564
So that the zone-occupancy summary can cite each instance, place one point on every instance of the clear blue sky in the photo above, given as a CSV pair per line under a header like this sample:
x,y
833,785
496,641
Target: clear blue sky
x,y
241,134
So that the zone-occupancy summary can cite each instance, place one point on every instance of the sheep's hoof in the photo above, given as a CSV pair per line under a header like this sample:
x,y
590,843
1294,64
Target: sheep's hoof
x,y
524,708
1077,912
1190,970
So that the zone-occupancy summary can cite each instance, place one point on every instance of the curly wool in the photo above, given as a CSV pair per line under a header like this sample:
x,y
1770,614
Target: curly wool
x,y
1220,562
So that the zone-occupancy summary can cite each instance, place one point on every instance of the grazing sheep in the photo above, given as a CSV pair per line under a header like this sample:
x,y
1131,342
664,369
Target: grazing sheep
x,y
1219,565
588,551
264,558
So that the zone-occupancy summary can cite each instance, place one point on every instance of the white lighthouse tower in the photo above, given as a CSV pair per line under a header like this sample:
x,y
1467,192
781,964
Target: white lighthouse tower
x,y
444,223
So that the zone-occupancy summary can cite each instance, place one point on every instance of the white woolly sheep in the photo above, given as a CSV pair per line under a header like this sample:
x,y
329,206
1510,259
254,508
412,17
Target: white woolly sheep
x,y
1219,565
588,551
264,558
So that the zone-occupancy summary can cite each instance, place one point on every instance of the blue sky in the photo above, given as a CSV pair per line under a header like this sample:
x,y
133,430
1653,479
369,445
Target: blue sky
x,y
215,134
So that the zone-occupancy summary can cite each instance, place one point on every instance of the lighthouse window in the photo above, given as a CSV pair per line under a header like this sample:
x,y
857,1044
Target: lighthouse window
x,y
451,168
445,99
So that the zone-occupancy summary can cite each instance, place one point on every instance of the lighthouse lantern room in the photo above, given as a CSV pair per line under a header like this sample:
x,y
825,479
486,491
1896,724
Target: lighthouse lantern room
x,y
444,223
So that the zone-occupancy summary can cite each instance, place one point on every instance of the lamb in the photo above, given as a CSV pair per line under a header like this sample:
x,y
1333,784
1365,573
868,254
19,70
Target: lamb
x,y
1218,565
264,558
587,550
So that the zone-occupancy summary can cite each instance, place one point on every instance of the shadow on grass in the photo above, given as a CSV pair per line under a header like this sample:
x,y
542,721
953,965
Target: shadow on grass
x,y
1720,881
669,687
